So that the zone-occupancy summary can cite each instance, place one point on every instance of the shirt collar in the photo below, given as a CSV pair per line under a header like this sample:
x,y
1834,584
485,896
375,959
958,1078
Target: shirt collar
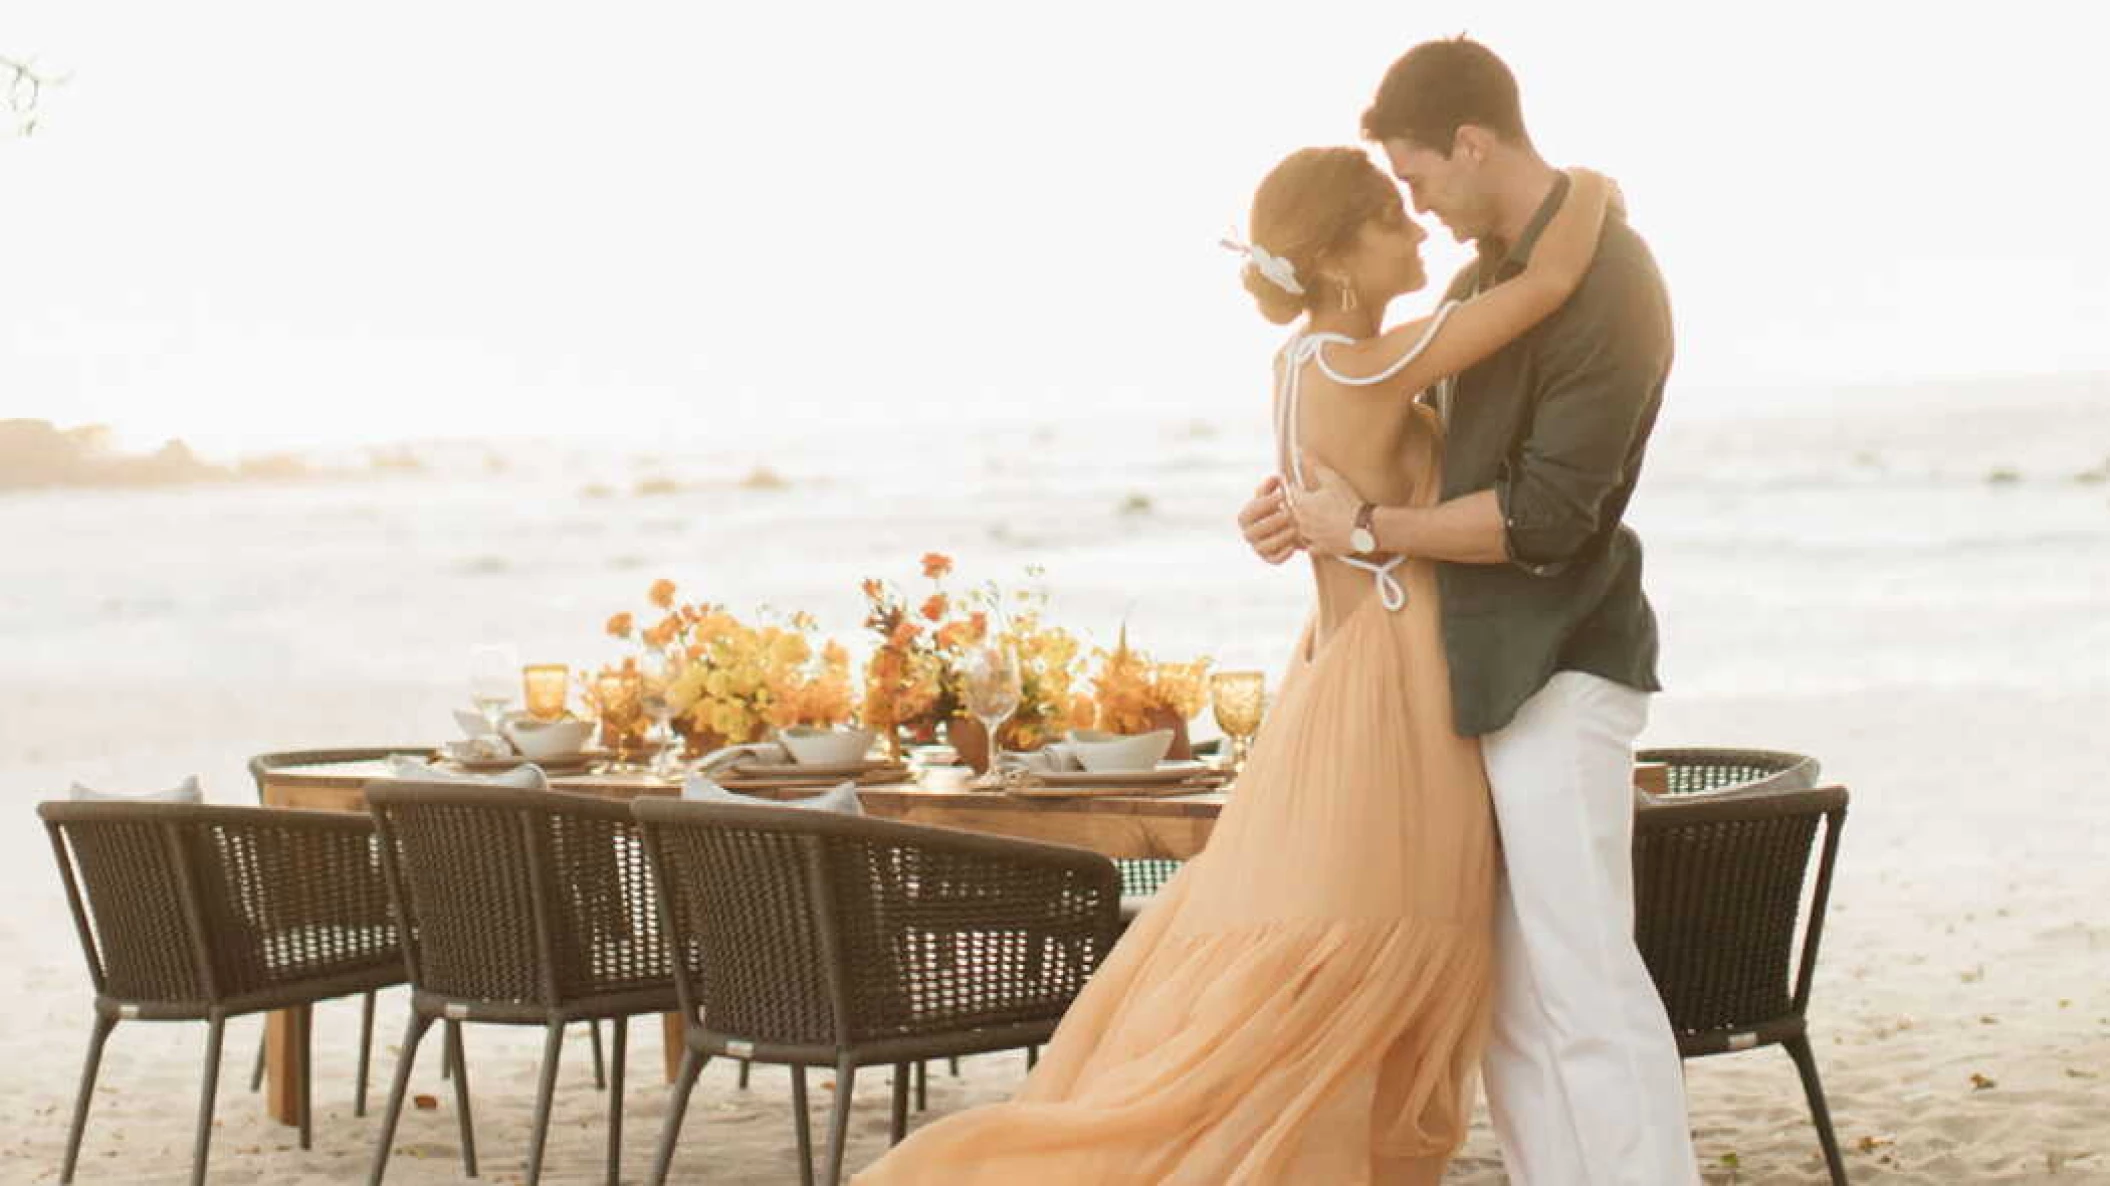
x,y
1501,261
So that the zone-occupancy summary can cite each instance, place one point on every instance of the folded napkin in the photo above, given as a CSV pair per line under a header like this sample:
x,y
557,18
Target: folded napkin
x,y
1054,758
841,798
186,791
478,748
768,752
473,723
527,777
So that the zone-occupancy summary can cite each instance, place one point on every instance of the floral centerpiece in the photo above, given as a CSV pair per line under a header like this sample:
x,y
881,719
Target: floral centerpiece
x,y
729,681
1137,694
912,681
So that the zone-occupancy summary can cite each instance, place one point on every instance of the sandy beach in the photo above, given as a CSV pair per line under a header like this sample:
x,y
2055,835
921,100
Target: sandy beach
x,y
1830,583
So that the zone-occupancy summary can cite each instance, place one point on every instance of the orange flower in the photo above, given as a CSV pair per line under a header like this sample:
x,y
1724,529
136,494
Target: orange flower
x,y
905,634
619,625
657,637
935,607
978,625
936,565
663,593
872,589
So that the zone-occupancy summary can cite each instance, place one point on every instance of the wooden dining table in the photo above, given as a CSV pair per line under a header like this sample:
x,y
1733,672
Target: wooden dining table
x,y
1147,825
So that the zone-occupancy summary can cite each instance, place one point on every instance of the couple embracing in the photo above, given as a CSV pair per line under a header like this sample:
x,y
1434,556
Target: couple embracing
x,y
1423,875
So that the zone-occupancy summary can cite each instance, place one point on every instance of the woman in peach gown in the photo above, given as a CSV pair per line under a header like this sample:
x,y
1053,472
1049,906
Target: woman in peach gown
x,y
1306,1001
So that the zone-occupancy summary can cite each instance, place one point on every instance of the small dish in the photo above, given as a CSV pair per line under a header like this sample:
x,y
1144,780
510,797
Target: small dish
x,y
810,745
1110,753
538,740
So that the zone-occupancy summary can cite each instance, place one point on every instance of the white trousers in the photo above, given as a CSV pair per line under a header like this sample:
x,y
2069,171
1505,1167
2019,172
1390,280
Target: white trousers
x,y
1582,1074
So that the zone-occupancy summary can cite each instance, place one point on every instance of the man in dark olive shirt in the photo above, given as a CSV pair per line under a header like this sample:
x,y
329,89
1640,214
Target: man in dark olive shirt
x,y
1550,641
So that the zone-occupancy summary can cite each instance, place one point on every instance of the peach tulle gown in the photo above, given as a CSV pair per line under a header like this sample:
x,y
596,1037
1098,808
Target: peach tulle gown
x,y
1306,1001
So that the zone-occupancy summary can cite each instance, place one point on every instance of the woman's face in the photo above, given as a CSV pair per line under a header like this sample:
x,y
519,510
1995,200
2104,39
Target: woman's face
x,y
1388,257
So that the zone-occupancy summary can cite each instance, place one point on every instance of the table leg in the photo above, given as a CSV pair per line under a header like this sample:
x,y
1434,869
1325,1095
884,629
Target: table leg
x,y
283,1069
670,1044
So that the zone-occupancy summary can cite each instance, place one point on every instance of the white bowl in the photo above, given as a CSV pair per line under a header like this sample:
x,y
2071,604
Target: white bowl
x,y
1115,753
548,739
810,745
947,778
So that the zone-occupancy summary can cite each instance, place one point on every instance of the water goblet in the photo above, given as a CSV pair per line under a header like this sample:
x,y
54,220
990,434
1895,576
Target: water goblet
x,y
656,675
494,677
991,687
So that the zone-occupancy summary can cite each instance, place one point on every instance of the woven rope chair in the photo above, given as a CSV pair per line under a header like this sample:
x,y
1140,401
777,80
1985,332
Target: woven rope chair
x,y
260,766
1706,771
812,939
1719,884
519,908
190,913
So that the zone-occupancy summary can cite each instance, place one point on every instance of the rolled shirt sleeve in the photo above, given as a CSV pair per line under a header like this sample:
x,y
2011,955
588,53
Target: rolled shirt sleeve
x,y
1602,379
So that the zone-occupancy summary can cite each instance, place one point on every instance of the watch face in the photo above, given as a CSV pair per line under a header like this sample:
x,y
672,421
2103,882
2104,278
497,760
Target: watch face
x,y
1362,540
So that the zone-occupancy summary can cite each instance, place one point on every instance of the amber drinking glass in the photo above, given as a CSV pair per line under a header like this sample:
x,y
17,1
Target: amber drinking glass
x,y
1239,699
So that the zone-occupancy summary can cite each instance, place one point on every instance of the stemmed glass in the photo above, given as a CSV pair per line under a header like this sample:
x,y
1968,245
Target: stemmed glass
x,y
494,677
656,674
1239,699
991,687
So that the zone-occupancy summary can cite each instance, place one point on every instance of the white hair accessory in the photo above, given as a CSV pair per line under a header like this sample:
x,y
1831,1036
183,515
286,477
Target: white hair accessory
x,y
1279,271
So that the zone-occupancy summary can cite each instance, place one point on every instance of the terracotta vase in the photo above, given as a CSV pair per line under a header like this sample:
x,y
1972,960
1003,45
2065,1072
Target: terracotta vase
x,y
697,741
1165,718
970,740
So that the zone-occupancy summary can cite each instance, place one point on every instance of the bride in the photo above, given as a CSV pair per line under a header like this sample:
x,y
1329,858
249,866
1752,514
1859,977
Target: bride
x,y
1306,1001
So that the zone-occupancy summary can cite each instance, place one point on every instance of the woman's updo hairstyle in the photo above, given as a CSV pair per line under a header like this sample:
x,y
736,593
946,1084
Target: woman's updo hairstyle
x,y
1309,209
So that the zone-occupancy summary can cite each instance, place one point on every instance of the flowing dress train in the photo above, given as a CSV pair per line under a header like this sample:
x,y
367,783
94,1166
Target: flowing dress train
x,y
1305,1002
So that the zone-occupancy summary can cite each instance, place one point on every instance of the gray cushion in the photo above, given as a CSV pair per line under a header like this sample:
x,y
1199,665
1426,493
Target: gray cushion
x,y
186,791
841,798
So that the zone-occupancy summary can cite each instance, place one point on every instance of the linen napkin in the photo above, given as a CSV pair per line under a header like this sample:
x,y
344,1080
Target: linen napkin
x,y
528,777
841,798
768,752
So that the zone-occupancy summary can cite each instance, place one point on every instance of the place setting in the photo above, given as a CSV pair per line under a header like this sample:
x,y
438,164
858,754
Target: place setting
x,y
804,757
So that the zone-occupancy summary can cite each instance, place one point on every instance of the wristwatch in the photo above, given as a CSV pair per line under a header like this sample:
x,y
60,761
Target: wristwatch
x,y
1362,538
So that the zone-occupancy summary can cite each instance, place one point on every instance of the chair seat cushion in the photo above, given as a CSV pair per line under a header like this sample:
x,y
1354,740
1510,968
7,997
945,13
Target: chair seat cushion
x,y
186,791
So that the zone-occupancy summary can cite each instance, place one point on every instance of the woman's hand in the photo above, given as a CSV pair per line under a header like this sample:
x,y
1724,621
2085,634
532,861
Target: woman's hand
x,y
1266,523
1325,515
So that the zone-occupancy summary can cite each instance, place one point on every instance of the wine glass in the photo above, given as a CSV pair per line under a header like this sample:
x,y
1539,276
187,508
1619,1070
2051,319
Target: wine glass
x,y
656,674
494,678
1239,699
990,688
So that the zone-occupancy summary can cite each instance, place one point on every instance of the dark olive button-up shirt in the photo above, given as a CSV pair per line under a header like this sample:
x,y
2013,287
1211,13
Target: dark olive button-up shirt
x,y
1556,423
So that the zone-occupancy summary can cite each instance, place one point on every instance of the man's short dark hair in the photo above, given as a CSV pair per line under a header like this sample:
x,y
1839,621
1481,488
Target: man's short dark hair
x,y
1438,87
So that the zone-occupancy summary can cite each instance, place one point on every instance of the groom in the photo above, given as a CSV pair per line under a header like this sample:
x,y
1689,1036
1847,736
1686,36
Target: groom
x,y
1551,643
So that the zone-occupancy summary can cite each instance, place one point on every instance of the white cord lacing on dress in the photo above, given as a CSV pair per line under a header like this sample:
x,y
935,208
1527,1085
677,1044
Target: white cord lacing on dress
x,y
1289,385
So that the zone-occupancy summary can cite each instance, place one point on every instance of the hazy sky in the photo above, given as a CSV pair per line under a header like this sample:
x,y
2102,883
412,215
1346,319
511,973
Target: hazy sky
x,y
250,223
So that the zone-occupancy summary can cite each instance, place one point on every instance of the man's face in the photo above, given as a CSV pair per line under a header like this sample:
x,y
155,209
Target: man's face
x,y
1446,186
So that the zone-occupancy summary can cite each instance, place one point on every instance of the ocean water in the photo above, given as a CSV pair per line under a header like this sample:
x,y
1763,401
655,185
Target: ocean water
x,y
1799,543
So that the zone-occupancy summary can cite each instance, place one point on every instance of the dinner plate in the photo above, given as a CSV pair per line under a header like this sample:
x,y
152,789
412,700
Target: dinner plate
x,y
560,764
1167,773
809,770
1199,786
876,778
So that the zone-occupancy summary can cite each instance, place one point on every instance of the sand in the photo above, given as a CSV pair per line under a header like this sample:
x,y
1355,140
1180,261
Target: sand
x,y
1935,638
